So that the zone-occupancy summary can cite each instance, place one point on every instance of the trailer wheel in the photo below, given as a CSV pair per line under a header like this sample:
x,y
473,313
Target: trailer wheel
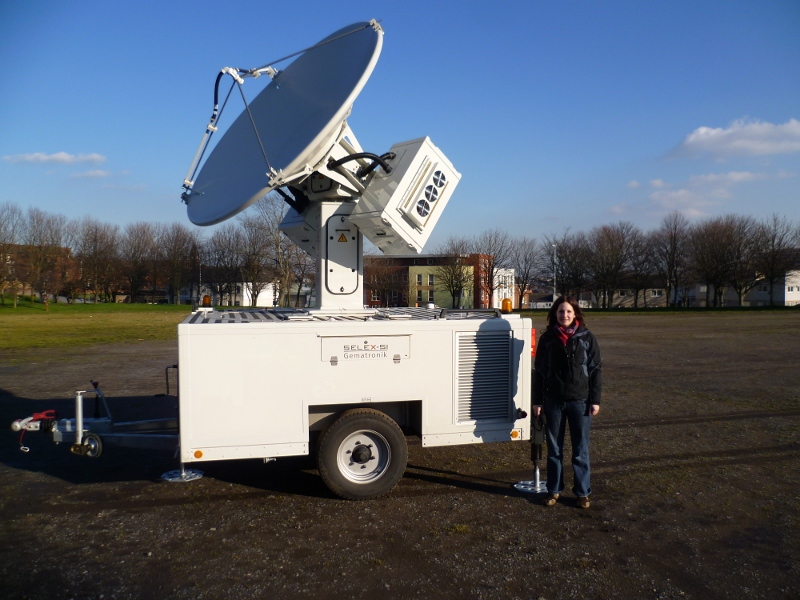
x,y
94,447
362,454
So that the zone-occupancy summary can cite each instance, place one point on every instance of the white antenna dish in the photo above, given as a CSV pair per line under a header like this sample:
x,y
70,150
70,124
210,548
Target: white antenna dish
x,y
290,127
294,135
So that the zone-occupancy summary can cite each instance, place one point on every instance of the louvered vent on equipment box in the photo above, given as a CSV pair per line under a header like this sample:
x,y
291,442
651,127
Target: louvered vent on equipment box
x,y
484,375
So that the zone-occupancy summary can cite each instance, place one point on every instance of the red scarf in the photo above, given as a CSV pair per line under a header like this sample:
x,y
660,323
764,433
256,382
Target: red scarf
x,y
564,333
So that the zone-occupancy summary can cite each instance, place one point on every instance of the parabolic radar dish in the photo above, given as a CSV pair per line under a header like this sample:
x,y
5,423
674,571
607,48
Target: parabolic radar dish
x,y
295,119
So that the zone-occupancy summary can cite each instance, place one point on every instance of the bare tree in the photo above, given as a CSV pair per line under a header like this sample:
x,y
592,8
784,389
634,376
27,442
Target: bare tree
x,y
494,249
291,256
526,260
136,252
672,251
207,272
68,271
641,263
11,223
382,277
552,272
304,270
195,267
710,243
452,271
157,262
225,249
42,238
774,257
610,246
256,262
283,252
567,258
743,251
96,251
176,242
87,250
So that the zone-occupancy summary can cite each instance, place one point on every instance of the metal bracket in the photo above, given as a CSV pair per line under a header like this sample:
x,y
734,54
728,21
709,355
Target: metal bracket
x,y
233,72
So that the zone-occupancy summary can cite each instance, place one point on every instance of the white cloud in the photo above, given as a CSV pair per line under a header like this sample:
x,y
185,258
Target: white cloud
x,y
140,187
94,174
59,157
619,209
689,202
742,138
657,183
633,184
703,191
726,179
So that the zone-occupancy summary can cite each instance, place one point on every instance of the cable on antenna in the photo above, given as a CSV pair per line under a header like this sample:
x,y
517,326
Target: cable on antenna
x,y
376,160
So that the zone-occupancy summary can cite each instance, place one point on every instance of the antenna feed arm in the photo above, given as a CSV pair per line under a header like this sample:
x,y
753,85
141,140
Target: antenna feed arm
x,y
269,70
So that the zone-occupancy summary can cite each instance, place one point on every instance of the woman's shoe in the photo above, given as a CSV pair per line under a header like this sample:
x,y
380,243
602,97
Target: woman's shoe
x,y
584,502
551,500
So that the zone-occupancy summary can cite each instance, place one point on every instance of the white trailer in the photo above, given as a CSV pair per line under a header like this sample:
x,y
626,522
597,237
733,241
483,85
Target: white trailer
x,y
271,383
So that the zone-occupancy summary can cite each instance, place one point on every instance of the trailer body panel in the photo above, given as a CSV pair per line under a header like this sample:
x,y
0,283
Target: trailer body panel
x,y
249,379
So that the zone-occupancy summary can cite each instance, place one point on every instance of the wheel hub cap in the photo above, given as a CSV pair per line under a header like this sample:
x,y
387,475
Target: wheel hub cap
x,y
361,454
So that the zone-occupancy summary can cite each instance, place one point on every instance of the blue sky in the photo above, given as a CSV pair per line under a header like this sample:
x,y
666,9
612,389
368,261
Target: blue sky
x,y
557,114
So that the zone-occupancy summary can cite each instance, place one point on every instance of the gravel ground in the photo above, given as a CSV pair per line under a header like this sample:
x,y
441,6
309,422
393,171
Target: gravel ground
x,y
695,478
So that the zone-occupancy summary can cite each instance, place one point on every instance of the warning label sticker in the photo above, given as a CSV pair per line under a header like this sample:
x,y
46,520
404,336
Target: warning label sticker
x,y
343,238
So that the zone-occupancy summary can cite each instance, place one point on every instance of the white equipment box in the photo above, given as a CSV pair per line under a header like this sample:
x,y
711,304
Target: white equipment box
x,y
398,210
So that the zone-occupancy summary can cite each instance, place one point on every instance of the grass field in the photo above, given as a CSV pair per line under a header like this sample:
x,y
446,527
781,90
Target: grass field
x,y
67,325
29,325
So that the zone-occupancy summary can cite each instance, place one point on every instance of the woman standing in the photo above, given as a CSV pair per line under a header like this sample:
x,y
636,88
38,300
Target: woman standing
x,y
567,387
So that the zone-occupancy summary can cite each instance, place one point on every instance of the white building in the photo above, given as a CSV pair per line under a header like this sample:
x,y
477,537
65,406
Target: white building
x,y
506,288
785,292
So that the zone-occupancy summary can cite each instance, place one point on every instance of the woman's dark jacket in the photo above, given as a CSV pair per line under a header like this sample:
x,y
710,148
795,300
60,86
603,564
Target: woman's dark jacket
x,y
570,372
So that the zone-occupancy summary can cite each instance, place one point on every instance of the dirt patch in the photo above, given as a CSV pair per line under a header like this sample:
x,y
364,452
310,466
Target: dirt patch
x,y
696,480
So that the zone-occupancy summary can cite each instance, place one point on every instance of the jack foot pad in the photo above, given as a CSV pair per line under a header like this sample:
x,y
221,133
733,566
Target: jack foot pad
x,y
531,487
181,476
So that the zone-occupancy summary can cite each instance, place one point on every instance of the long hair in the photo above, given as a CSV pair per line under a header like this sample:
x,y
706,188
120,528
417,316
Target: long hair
x,y
552,318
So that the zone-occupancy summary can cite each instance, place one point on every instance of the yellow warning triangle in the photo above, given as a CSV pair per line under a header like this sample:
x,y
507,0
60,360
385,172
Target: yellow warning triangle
x,y
343,238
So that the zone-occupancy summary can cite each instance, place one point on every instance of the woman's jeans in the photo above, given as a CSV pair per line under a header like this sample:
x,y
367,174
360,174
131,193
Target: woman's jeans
x,y
558,415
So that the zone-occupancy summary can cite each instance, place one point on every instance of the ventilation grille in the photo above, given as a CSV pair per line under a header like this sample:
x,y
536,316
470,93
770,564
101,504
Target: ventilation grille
x,y
484,375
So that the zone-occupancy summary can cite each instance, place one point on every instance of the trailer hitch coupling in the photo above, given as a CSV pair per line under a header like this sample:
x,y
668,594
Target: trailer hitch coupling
x,y
41,421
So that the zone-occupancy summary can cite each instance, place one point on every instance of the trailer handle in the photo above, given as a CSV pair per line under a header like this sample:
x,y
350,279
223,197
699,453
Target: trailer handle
x,y
99,396
166,377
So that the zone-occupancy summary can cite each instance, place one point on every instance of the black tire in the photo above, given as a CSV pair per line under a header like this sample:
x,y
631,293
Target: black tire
x,y
362,454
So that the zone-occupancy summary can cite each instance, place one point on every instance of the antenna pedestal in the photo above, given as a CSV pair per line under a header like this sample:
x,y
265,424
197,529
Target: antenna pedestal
x,y
340,270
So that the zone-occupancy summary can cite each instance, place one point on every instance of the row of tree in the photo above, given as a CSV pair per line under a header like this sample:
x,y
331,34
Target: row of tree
x,y
729,252
48,254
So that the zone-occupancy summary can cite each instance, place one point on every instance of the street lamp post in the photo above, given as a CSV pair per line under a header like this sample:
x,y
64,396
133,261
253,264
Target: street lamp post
x,y
555,259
